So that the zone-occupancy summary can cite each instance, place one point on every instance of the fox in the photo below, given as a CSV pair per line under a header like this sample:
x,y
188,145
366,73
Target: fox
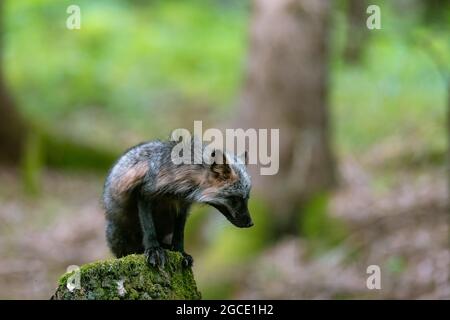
x,y
147,197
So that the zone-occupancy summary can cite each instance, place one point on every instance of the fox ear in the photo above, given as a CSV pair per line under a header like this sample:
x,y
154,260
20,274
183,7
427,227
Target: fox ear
x,y
220,167
244,157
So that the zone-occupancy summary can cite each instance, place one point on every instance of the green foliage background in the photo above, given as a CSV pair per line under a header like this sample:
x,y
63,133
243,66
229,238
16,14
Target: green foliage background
x,y
138,69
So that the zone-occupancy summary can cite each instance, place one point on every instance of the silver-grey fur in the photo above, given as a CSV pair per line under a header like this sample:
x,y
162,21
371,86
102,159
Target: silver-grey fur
x,y
147,197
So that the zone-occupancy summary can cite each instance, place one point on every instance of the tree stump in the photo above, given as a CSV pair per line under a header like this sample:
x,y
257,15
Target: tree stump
x,y
129,278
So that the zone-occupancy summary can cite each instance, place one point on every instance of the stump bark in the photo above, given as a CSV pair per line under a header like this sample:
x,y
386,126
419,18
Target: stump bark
x,y
129,278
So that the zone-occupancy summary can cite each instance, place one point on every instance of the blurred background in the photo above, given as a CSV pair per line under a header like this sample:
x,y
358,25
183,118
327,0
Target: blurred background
x,y
363,137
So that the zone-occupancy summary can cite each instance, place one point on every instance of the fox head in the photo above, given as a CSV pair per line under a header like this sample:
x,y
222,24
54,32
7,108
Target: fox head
x,y
228,188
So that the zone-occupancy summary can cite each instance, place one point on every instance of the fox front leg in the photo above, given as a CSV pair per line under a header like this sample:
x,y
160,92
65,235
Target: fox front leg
x,y
154,254
178,236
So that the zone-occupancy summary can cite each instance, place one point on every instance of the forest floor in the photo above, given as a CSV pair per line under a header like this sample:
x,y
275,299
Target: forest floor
x,y
396,218
402,226
41,236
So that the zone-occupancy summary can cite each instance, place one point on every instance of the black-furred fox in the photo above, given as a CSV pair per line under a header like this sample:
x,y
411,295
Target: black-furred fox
x,y
147,198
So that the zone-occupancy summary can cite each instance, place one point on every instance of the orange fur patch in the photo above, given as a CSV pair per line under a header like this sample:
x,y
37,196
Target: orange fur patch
x,y
212,184
221,177
195,177
131,178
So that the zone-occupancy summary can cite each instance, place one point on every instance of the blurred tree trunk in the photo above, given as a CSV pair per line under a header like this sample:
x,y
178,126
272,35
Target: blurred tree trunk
x,y
286,88
436,14
448,142
12,127
32,145
357,32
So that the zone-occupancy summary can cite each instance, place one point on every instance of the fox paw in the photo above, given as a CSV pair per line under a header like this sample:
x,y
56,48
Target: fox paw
x,y
187,261
155,256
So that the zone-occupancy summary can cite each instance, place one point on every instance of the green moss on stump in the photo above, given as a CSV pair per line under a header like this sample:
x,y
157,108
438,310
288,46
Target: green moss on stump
x,y
131,278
